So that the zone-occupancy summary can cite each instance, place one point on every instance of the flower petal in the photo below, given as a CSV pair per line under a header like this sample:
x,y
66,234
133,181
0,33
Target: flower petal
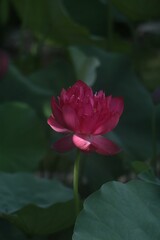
x,y
65,144
117,105
108,125
116,108
87,124
104,146
81,142
57,113
82,86
55,125
70,117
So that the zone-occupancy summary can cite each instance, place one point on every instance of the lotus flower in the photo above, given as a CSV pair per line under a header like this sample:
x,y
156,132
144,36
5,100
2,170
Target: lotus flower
x,y
84,117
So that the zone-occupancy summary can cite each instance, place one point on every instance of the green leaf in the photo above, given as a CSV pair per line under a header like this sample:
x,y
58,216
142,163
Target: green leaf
x,y
139,10
23,141
4,11
85,67
96,20
36,206
121,212
52,78
51,20
16,87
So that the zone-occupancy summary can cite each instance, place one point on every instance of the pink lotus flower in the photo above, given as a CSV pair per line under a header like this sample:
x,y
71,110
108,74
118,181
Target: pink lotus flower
x,y
84,117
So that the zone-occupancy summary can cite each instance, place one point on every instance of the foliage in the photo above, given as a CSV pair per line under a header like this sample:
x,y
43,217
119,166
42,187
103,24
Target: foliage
x,y
46,46
125,207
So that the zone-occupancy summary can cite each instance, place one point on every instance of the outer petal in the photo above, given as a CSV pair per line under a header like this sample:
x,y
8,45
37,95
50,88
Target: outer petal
x,y
70,117
117,105
80,89
57,112
82,142
104,146
108,125
82,85
65,144
55,125
116,108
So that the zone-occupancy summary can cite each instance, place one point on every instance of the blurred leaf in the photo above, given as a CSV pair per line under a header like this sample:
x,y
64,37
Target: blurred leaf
x,y
51,20
149,176
96,20
4,11
140,166
85,67
121,45
139,10
146,55
22,142
120,212
36,206
9,232
15,86
148,64
54,77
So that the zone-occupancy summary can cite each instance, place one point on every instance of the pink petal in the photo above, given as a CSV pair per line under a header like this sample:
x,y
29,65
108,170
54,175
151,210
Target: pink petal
x,y
65,144
80,89
55,125
108,125
80,84
70,117
81,142
63,96
104,146
87,124
57,111
117,105
88,109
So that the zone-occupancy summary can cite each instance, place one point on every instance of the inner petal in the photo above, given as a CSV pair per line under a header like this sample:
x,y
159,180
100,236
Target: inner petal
x,y
70,117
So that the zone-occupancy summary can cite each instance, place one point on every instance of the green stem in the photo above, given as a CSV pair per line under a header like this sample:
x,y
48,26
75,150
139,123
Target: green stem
x,y
154,142
76,183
